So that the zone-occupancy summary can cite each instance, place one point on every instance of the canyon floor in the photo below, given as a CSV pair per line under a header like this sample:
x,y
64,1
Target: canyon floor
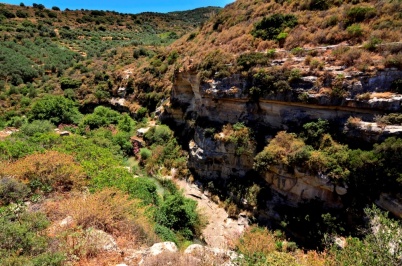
x,y
220,231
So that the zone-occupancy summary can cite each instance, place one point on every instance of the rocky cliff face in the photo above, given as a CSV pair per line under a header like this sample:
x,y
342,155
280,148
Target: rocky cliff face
x,y
195,105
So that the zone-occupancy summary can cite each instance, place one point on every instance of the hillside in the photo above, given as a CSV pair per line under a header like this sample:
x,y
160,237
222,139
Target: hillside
x,y
79,53
283,118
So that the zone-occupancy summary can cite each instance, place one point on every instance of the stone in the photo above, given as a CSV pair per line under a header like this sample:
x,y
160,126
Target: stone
x,y
158,248
340,242
101,240
67,222
64,133
141,132
204,252
391,204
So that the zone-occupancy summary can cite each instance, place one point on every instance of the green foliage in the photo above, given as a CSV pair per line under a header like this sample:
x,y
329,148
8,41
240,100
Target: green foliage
x,y
36,126
286,149
269,28
141,113
166,234
145,154
21,241
380,246
12,191
7,13
179,214
390,119
314,131
21,14
68,83
56,109
102,116
358,14
158,135
126,123
316,4
355,30
143,188
13,148
390,153
123,140
215,62
249,60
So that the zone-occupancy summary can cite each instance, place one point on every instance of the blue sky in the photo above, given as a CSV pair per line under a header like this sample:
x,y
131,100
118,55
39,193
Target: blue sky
x,y
125,6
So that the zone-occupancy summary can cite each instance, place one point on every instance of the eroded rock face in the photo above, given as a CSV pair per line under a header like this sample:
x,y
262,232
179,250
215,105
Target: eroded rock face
x,y
195,105
300,186
213,159
391,204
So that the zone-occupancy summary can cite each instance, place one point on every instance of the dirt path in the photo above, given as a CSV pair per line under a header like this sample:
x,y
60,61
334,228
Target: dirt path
x,y
221,231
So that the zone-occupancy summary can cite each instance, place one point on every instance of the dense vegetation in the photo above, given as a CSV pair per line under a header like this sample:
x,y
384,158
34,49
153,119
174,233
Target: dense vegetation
x,y
60,69
87,55
37,165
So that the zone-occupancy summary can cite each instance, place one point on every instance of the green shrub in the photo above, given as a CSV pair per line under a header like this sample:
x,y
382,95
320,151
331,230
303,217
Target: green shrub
x,y
394,61
68,83
19,234
126,123
249,60
380,246
158,135
358,14
12,191
179,214
21,14
165,233
56,109
36,126
269,28
144,189
141,113
316,4
102,116
145,154
355,30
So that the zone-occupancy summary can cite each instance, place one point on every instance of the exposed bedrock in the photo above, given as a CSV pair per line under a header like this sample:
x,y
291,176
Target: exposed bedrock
x,y
221,102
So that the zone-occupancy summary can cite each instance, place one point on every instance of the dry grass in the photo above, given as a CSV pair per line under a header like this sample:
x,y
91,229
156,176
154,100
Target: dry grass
x,y
108,210
104,210
52,168
256,240
382,95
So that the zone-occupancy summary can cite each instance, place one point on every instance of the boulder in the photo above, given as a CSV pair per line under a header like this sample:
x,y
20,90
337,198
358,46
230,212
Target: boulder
x,y
101,240
67,222
158,248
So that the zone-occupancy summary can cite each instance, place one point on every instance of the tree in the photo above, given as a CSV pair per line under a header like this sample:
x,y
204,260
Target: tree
x,y
179,214
56,109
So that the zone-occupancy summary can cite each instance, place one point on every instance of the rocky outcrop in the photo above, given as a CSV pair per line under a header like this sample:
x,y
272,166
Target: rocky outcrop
x,y
195,105
213,159
299,186
371,132
391,204
101,240
224,101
